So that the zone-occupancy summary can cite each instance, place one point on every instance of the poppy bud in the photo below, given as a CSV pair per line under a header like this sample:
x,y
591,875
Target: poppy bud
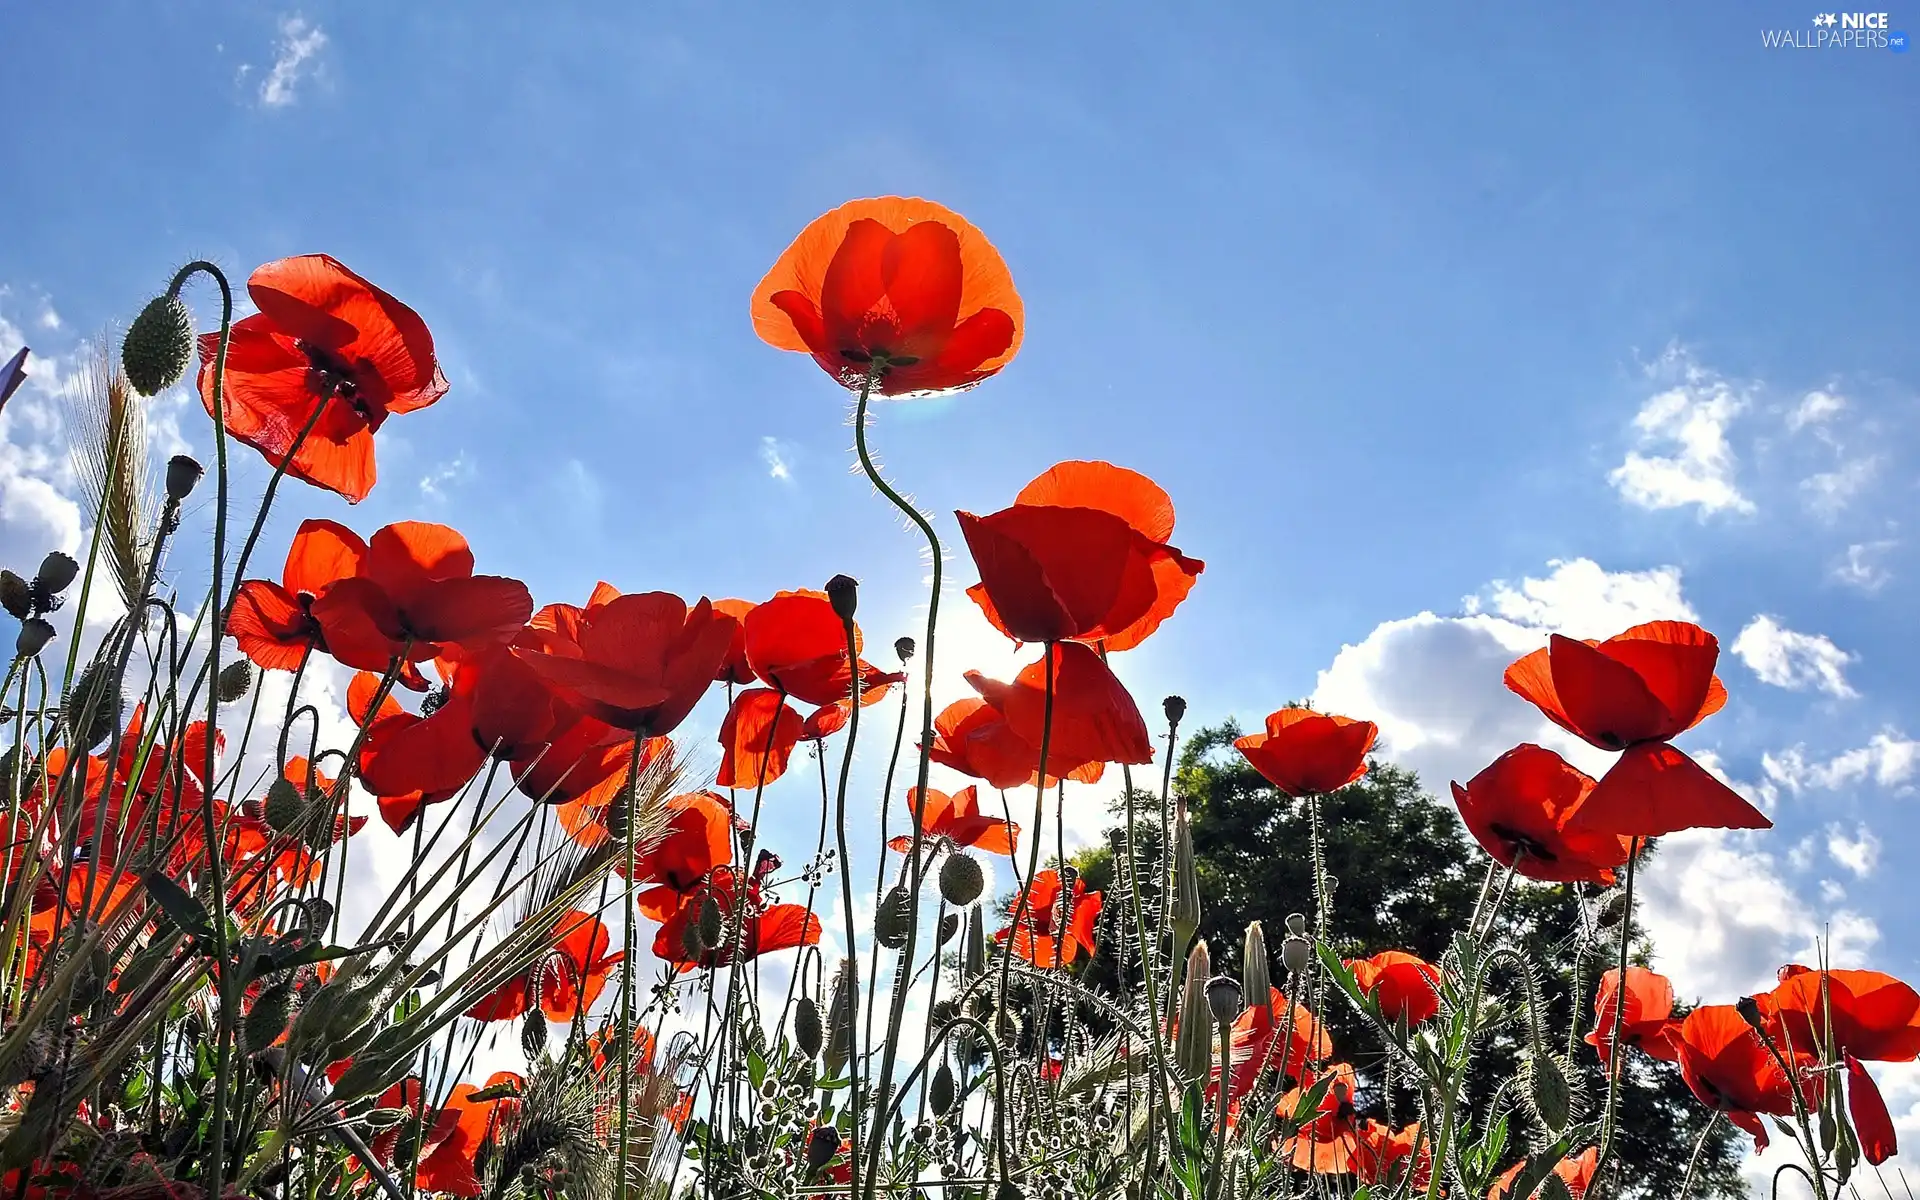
x,y
893,917
903,648
183,474
158,345
1193,1045
1255,983
949,925
267,1019
533,1034
34,635
1749,1009
93,705
15,596
56,572
843,592
806,1027
1295,953
318,913
233,681
961,880
973,957
1224,999
1553,1188
1186,882
1612,909
1297,924
710,925
822,1144
1175,707
285,809
940,1090
840,1016
1552,1098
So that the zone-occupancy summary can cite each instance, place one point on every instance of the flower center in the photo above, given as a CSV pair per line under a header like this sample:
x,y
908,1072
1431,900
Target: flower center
x,y
1523,843
330,376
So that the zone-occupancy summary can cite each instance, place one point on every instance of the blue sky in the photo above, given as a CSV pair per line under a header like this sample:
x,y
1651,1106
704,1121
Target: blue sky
x,y
1376,295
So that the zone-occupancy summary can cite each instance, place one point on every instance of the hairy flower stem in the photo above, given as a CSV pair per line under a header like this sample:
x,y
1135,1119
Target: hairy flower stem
x,y
1166,852
1157,1096
854,1060
629,947
1615,1072
880,867
914,515
1217,1170
1693,1160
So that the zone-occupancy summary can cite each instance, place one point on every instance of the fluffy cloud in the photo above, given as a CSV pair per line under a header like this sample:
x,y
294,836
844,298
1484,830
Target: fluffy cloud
x,y
300,41
1829,492
1858,853
1815,408
1888,759
1795,661
1580,599
1859,566
1683,457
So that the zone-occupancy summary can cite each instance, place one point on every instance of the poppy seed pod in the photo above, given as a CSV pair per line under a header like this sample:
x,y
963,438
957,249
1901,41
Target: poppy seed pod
x,y
34,635
233,681
822,1144
961,880
1224,999
285,809
1175,707
57,572
893,917
158,346
1256,984
183,475
843,592
903,648
1295,953
1193,1045
15,596
806,1027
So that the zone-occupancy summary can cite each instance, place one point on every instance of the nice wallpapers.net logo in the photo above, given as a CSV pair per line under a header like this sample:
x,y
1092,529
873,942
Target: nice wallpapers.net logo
x,y
1839,31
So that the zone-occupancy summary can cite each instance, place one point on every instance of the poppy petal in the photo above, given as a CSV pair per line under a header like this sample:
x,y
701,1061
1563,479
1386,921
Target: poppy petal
x,y
1654,789
1869,1112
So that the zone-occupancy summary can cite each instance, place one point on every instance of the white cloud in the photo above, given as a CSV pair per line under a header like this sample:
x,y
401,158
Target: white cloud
x,y
1580,599
1815,408
1795,661
49,319
1829,492
774,453
1888,759
1859,853
300,40
1860,569
1683,456
434,484
37,509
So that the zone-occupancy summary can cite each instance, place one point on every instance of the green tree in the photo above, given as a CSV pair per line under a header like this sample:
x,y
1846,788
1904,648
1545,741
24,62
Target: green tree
x,y
1407,879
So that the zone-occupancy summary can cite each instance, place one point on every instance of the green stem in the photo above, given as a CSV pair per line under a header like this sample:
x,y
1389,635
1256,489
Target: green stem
x,y
1217,1169
1615,1071
628,945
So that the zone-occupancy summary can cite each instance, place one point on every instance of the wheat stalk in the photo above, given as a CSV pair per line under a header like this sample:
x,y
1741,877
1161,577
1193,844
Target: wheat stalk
x,y
107,438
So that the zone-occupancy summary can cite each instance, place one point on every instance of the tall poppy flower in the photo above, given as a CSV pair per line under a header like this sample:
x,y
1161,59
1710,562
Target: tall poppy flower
x,y
1576,1171
416,596
1137,501
1093,717
1731,1071
1518,808
1386,1156
1054,574
735,668
1042,938
1635,692
757,739
387,722
1404,985
1647,1021
796,643
958,818
902,282
567,981
639,662
494,706
461,1129
273,623
1268,1036
973,738
764,927
1304,752
1870,1014
1328,1141
698,839
1868,1109
324,339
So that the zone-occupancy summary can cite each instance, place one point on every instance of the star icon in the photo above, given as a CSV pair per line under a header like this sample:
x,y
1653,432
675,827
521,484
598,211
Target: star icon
x,y
1826,20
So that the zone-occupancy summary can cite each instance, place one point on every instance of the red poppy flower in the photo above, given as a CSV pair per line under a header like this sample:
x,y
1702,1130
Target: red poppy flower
x,y
416,597
1869,1112
388,722
409,1095
1576,1171
638,662
957,817
580,793
1140,503
1870,1014
1266,1037
570,978
1654,789
902,281
1383,1156
735,669
796,643
1649,684
1304,752
324,338
765,927
461,1128
1328,1141
273,623
494,706
973,738
1648,1020
1404,985
1517,809
1094,719
1042,940
698,839
756,739
1052,574
1728,1068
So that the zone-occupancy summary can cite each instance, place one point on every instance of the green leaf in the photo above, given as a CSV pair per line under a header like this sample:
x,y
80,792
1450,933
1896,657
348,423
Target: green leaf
x,y
1310,1100
1343,977
181,908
